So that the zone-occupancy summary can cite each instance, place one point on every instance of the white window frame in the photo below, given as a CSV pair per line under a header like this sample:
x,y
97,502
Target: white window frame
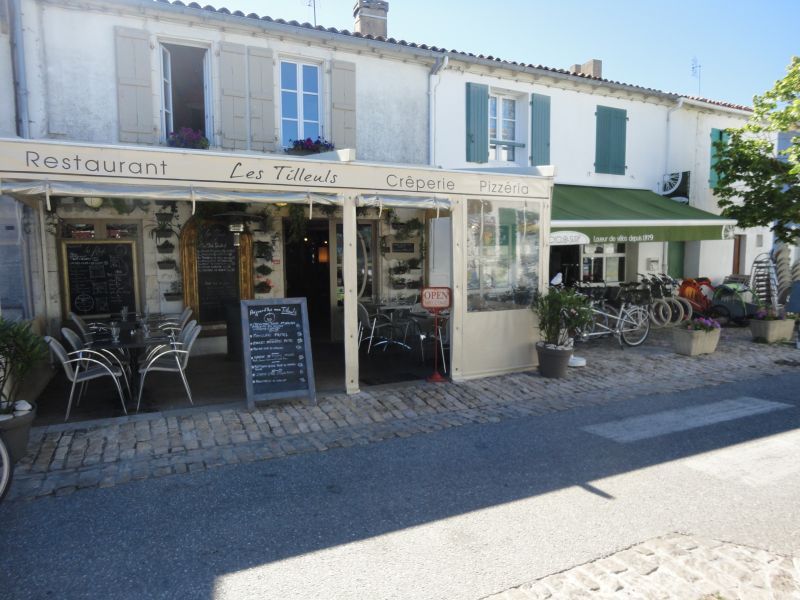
x,y
300,92
499,147
167,123
605,255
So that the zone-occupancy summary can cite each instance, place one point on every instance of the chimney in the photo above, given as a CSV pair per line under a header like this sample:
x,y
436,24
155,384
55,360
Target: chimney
x,y
370,17
593,68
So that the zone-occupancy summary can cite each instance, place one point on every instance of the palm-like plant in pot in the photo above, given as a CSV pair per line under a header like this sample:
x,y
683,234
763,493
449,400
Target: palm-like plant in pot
x,y
20,351
560,313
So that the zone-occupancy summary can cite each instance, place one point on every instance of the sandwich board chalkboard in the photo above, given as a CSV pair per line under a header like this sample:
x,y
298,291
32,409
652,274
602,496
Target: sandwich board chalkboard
x,y
277,350
99,276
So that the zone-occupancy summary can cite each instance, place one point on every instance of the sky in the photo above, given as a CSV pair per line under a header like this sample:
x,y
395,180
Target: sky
x,y
742,47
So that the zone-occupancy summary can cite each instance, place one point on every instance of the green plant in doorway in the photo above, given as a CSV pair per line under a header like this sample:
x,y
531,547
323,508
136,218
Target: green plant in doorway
x,y
298,223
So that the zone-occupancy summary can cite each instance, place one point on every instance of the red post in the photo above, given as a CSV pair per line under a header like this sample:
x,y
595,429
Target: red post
x,y
436,377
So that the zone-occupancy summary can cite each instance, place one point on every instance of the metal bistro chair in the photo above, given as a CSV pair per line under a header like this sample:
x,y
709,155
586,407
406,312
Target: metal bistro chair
x,y
80,368
78,345
85,329
176,325
169,358
370,324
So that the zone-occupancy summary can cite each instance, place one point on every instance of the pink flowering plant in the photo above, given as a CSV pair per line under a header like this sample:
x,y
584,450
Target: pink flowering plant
x,y
309,146
186,137
770,314
701,324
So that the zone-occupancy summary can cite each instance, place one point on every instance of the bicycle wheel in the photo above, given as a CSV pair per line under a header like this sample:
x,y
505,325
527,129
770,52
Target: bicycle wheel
x,y
677,311
688,311
634,326
6,469
660,313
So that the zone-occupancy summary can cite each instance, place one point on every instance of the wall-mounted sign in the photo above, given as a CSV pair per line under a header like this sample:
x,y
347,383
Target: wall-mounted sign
x,y
99,276
277,350
568,238
403,248
435,298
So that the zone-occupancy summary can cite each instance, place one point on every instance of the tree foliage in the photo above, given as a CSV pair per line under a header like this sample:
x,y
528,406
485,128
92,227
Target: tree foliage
x,y
757,186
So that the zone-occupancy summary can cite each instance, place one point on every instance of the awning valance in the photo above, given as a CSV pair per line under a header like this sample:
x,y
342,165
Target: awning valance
x,y
584,214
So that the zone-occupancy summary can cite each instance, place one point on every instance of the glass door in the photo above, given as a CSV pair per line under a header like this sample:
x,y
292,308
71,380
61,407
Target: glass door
x,y
365,277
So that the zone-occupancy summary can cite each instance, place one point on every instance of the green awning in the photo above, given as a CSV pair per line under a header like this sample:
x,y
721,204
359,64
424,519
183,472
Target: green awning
x,y
615,215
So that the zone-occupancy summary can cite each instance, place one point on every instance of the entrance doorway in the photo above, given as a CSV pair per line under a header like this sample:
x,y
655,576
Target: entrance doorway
x,y
308,273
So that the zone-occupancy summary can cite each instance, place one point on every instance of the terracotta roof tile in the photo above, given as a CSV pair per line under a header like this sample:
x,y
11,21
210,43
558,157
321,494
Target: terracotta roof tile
x,y
345,32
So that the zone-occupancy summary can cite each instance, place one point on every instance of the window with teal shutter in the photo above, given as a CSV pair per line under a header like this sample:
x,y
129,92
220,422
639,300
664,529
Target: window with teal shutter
x,y
540,129
717,135
477,123
610,140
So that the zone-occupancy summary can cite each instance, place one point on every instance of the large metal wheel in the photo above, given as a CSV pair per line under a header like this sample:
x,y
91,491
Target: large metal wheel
x,y
634,326
6,469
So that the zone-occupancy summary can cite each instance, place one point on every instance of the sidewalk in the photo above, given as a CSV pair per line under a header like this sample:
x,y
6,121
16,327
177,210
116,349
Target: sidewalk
x,y
676,566
65,458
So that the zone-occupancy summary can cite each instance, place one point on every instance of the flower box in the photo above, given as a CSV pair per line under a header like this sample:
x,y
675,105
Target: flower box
x,y
772,330
691,342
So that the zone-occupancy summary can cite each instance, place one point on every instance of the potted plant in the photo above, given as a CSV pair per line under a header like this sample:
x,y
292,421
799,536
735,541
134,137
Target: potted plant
x,y
174,293
264,287
263,250
698,336
20,350
186,137
264,270
168,264
165,247
771,326
559,313
309,146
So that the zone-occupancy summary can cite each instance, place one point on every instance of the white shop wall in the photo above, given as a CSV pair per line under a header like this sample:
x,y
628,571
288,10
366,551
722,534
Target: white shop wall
x,y
572,130
74,96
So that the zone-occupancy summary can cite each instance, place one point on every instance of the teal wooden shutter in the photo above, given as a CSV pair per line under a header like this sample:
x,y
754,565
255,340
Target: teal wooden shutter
x,y
540,129
610,140
477,123
717,135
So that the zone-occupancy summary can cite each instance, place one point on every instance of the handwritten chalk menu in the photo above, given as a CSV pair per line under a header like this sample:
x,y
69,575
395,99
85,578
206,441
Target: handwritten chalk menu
x,y
277,350
100,276
217,272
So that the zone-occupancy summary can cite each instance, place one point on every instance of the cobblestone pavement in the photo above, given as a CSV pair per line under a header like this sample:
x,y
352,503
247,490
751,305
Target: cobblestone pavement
x,y
64,458
674,566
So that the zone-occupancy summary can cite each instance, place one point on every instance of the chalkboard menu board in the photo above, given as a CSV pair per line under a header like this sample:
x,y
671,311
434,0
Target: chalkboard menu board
x,y
217,272
277,350
99,276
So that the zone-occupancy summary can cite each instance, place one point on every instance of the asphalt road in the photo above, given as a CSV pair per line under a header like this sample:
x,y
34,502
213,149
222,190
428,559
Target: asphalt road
x,y
462,513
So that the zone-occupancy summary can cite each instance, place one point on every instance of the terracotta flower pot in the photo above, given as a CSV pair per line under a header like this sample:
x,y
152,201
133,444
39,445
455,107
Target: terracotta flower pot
x,y
777,330
553,361
691,343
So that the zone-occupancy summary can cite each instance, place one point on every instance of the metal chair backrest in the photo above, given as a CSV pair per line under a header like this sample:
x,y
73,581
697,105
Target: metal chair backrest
x,y
61,354
83,328
73,339
185,316
187,329
187,345
363,317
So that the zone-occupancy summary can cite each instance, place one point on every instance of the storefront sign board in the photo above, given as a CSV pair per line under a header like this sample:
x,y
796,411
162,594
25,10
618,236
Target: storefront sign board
x,y
435,298
277,350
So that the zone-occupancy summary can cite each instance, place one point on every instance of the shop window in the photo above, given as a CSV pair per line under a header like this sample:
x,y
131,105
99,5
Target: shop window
x,y
603,262
14,272
183,88
300,105
502,255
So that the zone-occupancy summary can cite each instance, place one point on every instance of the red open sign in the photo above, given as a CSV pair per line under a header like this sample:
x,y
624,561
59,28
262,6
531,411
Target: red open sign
x,y
435,298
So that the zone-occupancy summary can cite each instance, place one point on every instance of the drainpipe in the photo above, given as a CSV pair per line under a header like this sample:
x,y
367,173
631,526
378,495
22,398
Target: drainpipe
x,y
18,62
438,66
664,251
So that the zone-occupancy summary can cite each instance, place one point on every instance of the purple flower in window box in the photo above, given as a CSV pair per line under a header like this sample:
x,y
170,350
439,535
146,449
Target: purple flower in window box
x,y
309,146
186,137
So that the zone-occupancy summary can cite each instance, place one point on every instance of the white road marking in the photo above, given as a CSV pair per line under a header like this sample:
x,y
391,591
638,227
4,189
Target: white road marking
x,y
756,463
634,429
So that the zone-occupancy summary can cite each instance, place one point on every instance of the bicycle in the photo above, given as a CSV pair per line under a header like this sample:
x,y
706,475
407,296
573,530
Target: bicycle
x,y
630,324
6,469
